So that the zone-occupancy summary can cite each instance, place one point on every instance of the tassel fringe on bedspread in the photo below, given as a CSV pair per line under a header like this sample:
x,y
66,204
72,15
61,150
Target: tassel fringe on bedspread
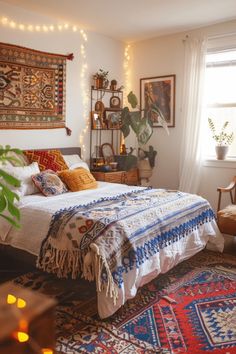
x,y
103,240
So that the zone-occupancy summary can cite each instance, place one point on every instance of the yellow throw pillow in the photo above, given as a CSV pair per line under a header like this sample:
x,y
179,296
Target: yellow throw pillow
x,y
78,179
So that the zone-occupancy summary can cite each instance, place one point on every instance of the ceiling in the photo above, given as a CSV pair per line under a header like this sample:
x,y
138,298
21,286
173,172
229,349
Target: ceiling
x,y
133,20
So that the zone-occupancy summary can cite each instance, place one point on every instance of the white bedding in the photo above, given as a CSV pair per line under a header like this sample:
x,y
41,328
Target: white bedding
x,y
36,208
36,214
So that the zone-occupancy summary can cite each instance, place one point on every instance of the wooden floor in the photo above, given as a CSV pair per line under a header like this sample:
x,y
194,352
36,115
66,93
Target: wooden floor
x,y
230,244
11,268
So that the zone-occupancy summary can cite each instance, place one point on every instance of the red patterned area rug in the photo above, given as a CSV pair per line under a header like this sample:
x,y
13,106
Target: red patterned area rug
x,y
191,309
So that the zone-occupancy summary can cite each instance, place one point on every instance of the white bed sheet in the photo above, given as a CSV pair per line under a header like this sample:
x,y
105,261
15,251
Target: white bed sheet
x,y
37,210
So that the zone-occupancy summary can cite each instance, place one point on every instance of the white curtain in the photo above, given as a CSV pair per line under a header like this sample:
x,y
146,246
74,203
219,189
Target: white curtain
x,y
192,114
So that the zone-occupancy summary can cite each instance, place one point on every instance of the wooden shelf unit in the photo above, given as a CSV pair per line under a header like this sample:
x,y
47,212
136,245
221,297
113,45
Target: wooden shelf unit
x,y
104,134
124,177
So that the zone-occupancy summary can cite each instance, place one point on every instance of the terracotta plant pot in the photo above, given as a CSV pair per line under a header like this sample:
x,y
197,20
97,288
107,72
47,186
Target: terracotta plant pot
x,y
99,83
221,152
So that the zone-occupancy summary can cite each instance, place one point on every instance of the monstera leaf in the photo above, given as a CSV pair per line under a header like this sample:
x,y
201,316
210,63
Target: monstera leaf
x,y
145,132
139,120
7,196
132,99
125,121
141,126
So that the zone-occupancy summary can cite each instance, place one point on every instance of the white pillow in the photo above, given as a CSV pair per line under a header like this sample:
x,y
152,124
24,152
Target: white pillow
x,y
23,173
74,161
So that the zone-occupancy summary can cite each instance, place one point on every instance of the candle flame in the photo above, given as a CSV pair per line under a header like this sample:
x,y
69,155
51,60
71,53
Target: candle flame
x,y
21,303
21,336
11,299
47,351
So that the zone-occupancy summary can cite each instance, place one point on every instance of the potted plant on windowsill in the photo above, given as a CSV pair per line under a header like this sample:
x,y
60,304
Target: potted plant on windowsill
x,y
222,139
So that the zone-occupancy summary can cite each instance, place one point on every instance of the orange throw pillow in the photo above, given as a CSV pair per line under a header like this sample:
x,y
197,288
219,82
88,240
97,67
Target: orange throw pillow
x,y
78,179
47,159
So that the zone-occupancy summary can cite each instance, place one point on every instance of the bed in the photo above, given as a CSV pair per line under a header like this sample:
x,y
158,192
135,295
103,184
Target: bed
x,y
120,236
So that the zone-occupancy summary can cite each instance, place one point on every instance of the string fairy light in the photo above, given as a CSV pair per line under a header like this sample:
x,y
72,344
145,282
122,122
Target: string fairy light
x,y
8,22
127,71
21,27
43,28
85,92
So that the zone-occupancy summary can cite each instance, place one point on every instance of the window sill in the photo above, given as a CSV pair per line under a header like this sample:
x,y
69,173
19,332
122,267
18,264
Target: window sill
x,y
213,162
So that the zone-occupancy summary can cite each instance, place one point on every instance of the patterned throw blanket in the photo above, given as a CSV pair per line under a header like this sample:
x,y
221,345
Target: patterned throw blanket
x,y
123,232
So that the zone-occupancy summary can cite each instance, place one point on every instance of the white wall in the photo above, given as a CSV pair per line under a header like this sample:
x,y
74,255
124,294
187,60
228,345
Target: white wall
x,y
101,52
154,57
165,56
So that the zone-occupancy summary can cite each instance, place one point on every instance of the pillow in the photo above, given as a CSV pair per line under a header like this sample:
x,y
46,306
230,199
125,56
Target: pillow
x,y
23,173
49,183
21,159
47,159
78,179
74,161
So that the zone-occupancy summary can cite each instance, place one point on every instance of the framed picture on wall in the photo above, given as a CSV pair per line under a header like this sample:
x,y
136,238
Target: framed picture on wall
x,y
159,93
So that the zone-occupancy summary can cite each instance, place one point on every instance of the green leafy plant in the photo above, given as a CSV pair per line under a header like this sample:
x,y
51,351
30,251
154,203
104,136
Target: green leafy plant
x,y
222,138
101,74
139,120
141,123
100,79
7,196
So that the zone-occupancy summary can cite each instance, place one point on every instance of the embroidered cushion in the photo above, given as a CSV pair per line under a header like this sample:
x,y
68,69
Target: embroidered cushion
x,y
49,183
47,159
23,173
78,179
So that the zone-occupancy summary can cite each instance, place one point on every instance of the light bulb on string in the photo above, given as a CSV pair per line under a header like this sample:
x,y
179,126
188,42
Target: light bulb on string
x,y
5,21
21,27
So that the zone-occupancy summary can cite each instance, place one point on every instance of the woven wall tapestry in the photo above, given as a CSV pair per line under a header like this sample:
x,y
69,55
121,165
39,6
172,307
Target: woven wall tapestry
x,y
32,88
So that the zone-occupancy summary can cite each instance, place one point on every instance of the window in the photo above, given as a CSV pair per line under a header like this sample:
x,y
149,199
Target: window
x,y
220,95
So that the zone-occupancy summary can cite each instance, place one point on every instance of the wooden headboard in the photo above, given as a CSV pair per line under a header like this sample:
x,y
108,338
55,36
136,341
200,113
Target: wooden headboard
x,y
70,150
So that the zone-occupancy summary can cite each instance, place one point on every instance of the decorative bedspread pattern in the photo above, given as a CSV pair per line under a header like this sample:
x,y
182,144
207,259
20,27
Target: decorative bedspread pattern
x,y
123,232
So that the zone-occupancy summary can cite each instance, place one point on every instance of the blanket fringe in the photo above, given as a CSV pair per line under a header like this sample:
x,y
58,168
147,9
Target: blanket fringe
x,y
109,285
63,263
